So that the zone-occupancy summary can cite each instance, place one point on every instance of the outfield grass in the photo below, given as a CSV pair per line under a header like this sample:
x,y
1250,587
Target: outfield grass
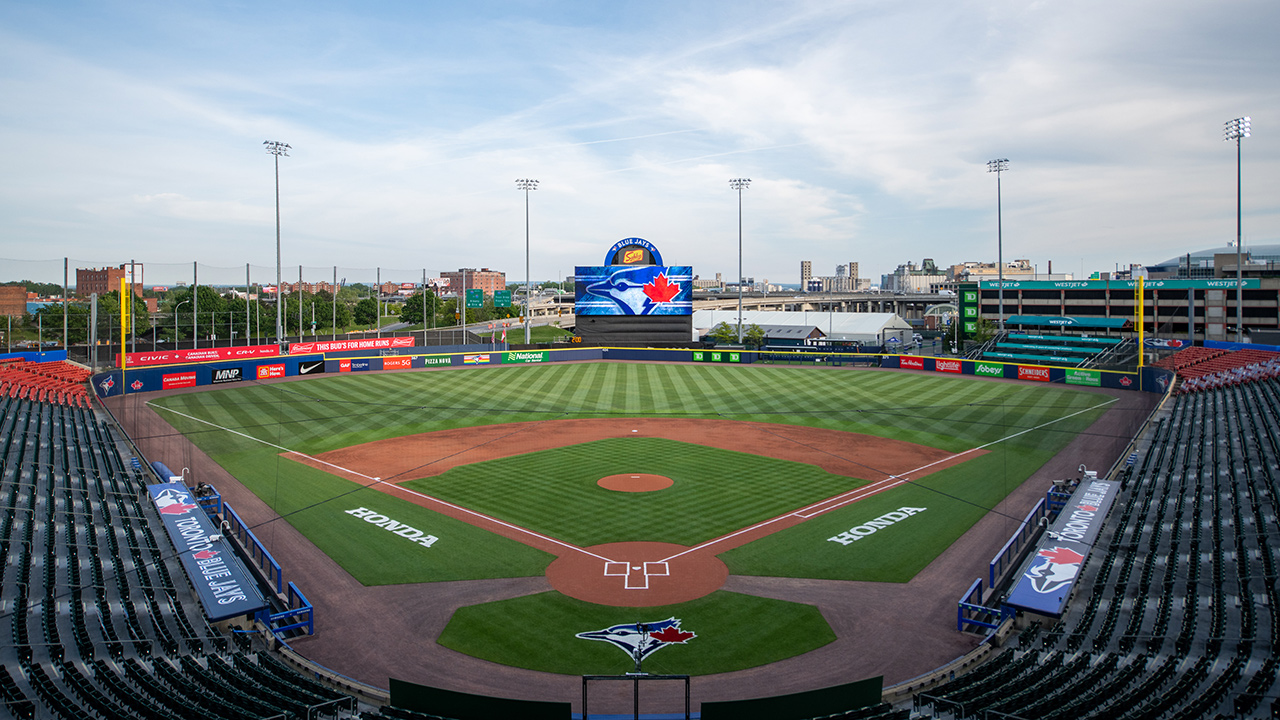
x,y
953,414
555,493
734,632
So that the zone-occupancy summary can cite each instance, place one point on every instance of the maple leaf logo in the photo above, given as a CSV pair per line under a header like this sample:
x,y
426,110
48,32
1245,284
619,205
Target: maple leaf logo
x,y
659,290
205,554
1062,556
671,634
178,508
1089,508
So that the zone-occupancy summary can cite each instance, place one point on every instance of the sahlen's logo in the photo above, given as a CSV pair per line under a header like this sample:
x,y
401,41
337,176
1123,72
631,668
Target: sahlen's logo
x,y
640,640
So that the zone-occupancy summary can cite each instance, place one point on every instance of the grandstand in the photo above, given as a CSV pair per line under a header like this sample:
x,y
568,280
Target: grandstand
x,y
1201,368
1177,617
101,621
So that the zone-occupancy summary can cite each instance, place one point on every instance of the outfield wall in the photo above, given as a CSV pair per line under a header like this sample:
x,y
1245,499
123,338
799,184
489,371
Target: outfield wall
x,y
165,377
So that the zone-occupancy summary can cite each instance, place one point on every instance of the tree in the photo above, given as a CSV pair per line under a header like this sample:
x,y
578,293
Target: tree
x,y
753,336
366,312
411,313
984,330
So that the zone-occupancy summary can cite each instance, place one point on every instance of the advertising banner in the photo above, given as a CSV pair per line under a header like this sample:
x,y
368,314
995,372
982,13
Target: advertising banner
x,y
537,356
177,380
266,372
947,366
344,365
1092,378
433,361
226,375
403,362
633,290
988,369
1038,374
361,364
1050,574
225,588
1122,285
310,367
480,359
167,357
322,346
910,362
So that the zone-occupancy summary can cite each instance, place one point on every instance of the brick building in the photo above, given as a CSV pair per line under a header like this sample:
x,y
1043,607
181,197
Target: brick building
x,y
93,280
13,300
487,280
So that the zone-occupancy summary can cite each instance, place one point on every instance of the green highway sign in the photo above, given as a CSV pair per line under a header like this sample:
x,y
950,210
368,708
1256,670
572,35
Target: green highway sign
x,y
475,298
501,298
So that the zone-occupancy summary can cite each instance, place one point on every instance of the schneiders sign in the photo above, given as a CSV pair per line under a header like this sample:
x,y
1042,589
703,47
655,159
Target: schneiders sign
x,y
410,533
858,532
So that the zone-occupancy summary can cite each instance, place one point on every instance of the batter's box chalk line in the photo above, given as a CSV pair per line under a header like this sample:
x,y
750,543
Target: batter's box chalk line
x,y
637,576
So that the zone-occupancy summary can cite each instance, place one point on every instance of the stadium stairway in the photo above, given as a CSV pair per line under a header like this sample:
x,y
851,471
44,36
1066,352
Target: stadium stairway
x,y
1178,614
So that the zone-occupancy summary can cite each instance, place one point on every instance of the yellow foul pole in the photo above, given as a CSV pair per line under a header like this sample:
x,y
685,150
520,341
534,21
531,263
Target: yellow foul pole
x,y
1142,325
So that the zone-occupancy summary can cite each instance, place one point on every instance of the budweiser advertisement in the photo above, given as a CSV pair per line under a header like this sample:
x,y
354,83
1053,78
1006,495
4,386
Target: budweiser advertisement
x,y
340,345
169,357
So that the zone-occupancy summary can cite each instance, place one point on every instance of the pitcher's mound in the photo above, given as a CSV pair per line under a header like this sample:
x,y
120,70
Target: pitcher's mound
x,y
635,483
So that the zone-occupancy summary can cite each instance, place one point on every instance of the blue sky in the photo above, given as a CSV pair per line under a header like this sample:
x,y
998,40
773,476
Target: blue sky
x,y
135,130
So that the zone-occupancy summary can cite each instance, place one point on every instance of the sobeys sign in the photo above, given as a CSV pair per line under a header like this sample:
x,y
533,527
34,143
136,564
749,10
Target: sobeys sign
x,y
535,356
1092,378
988,369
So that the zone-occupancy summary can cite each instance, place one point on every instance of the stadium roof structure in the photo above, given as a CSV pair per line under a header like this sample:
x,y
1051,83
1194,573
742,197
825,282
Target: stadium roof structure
x,y
860,327
1269,251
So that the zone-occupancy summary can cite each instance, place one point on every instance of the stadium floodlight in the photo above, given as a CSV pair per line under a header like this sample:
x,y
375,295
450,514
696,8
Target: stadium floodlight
x,y
277,149
1237,130
526,185
998,166
740,184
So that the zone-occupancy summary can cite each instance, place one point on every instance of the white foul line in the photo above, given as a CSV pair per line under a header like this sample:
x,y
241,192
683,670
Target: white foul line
x,y
378,481
875,487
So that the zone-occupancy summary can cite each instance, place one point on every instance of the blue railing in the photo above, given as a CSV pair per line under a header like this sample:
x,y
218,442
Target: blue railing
x,y
1013,548
970,611
254,547
299,607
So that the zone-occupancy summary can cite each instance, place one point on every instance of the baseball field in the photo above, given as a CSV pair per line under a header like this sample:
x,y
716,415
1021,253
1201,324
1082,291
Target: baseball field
x,y
635,489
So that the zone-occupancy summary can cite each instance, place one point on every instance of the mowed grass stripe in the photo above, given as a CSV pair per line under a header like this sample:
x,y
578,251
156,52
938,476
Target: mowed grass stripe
x,y
555,492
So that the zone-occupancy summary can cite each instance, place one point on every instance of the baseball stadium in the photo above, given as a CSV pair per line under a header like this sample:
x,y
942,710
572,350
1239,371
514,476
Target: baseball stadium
x,y
500,534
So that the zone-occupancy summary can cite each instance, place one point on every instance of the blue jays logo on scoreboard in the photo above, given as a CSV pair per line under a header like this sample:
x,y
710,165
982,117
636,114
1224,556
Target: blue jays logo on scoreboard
x,y
634,282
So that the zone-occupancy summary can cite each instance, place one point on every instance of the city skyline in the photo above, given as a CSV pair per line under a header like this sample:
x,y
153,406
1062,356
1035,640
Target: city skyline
x,y
136,132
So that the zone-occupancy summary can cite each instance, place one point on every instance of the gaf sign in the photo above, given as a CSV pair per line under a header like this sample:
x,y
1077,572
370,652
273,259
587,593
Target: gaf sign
x,y
226,375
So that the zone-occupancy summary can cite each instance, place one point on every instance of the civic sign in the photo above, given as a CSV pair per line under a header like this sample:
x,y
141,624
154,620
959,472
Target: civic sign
x,y
225,588
167,357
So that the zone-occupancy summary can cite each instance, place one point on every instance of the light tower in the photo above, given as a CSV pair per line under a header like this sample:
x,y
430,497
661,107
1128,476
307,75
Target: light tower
x,y
1237,130
277,149
526,185
740,184
997,167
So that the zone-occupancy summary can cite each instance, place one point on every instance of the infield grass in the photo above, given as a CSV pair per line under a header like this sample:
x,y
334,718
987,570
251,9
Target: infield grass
x,y
554,492
734,632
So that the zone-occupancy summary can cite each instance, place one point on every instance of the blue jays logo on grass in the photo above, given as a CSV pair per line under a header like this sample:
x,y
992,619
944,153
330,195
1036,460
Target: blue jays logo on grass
x,y
634,290
643,638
